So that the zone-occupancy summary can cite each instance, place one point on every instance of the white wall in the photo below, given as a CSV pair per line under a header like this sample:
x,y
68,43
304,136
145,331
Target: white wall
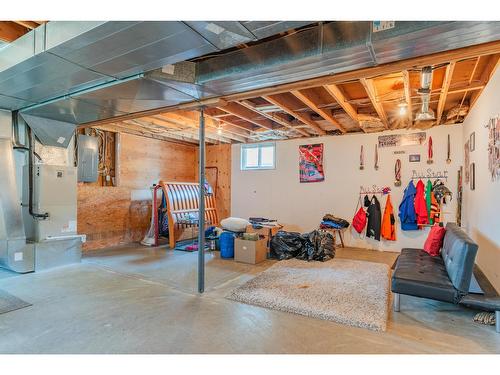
x,y
300,206
481,208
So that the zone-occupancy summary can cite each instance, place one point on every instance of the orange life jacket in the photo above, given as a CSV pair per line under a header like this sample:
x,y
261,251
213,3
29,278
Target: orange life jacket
x,y
388,230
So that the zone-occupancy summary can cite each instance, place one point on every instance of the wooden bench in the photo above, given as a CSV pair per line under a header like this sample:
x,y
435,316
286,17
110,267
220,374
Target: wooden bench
x,y
182,200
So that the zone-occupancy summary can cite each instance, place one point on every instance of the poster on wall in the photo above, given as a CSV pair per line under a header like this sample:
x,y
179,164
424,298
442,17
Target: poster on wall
x,y
397,140
494,148
311,163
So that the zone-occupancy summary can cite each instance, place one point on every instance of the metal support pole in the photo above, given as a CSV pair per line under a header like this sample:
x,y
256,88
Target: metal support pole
x,y
396,302
201,209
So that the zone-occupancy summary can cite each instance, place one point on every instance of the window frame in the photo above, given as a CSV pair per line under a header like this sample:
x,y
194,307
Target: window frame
x,y
259,147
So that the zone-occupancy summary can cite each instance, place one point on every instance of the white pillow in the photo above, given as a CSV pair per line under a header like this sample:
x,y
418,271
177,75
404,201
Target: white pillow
x,y
234,224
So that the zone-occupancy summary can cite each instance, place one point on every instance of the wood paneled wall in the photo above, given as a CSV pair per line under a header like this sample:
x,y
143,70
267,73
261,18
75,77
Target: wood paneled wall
x,y
108,215
220,156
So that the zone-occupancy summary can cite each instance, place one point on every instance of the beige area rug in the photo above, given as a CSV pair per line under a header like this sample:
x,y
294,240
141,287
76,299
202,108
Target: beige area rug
x,y
345,291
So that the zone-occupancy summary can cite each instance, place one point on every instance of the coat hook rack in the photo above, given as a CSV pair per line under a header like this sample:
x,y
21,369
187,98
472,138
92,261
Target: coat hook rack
x,y
374,189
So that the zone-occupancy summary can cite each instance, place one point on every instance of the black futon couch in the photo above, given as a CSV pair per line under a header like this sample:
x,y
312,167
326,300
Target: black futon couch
x,y
444,278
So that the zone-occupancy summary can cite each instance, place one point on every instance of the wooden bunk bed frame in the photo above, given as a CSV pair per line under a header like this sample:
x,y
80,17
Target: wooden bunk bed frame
x,y
182,199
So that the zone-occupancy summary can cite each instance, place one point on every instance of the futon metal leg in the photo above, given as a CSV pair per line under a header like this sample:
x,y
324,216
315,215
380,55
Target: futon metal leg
x,y
396,302
497,321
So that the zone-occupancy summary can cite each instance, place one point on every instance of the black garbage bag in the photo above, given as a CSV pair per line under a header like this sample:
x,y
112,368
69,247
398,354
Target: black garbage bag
x,y
286,245
318,245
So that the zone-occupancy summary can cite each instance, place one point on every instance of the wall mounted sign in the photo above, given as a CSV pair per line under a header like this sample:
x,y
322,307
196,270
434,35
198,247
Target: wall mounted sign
x,y
398,140
494,147
399,152
429,173
311,163
414,158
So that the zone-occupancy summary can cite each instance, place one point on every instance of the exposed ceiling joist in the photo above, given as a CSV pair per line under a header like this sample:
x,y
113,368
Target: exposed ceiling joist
x,y
444,90
491,67
340,98
274,116
246,114
28,24
10,31
308,100
372,94
182,119
282,103
407,89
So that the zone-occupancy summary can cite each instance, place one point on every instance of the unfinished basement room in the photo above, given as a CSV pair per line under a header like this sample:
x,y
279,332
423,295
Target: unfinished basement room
x,y
250,187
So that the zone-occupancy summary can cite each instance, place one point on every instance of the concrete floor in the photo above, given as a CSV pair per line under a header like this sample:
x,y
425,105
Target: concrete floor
x,y
139,300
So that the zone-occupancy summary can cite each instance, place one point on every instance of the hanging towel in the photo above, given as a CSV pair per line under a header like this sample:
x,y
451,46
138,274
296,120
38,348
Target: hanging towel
x,y
421,204
407,209
374,214
428,200
388,222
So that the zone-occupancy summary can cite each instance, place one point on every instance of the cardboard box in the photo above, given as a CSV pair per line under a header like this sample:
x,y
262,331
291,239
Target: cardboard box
x,y
251,252
265,231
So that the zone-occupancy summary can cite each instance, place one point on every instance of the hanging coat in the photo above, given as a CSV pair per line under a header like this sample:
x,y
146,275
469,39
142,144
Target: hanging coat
x,y
421,204
407,209
388,221
374,219
435,210
428,200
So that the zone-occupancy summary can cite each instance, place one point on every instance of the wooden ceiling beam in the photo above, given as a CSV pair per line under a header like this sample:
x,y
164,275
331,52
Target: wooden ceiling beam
x,y
28,24
281,102
340,98
142,132
407,89
273,116
490,68
444,91
10,31
246,114
309,101
383,69
178,119
372,94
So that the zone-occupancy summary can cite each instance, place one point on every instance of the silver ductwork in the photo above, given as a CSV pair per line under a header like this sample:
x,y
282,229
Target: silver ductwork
x,y
80,72
53,70
425,113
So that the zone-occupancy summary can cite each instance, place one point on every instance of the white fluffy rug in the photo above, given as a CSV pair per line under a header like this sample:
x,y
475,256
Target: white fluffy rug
x,y
346,291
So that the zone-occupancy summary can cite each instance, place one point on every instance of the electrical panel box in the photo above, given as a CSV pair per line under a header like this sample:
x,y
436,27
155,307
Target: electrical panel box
x,y
88,158
54,192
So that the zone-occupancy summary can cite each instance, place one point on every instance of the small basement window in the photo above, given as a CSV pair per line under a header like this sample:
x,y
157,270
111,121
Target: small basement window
x,y
258,156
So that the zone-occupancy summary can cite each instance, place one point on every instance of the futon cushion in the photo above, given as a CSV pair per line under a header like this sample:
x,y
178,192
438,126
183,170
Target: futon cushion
x,y
434,241
421,275
459,254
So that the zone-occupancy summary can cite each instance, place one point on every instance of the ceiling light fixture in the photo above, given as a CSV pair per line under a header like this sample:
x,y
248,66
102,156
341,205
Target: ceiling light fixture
x,y
403,108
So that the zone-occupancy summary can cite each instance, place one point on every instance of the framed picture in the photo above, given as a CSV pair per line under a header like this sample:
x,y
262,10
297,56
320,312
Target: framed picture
x,y
415,158
472,176
472,141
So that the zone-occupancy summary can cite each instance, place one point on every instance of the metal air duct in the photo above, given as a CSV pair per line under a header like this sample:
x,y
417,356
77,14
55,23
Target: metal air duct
x,y
425,113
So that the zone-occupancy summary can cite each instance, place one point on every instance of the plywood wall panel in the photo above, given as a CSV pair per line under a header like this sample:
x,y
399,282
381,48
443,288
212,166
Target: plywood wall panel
x,y
220,156
107,215
144,161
